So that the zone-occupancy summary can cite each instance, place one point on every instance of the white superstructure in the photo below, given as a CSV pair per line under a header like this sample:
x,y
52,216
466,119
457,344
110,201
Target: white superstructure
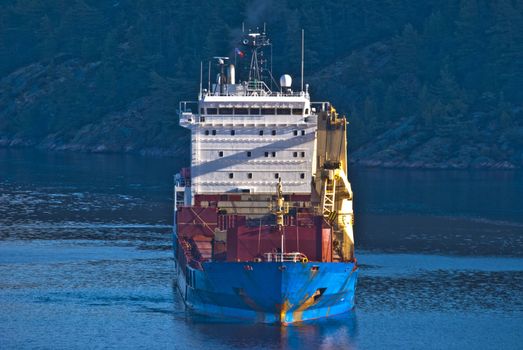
x,y
244,141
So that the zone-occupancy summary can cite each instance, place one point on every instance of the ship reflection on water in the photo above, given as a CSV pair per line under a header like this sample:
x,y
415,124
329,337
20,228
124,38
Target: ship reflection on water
x,y
86,262
340,330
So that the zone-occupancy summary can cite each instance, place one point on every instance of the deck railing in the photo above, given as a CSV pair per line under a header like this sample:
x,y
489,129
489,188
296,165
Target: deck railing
x,y
285,257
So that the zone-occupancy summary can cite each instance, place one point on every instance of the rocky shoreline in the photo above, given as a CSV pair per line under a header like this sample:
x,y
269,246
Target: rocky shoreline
x,y
180,151
407,146
373,163
58,146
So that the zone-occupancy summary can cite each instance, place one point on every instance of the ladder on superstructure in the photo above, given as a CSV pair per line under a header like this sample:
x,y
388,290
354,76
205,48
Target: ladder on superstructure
x,y
329,198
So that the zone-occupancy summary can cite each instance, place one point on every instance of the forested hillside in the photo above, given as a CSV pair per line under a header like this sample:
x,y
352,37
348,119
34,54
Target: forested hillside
x,y
424,83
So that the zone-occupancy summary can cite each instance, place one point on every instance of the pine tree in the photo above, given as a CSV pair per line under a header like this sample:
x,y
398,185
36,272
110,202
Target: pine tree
x,y
452,119
390,105
504,112
48,45
469,44
426,107
506,47
406,56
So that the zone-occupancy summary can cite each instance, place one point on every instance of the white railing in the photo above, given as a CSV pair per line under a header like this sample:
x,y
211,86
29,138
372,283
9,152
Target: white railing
x,y
321,106
188,106
252,88
286,257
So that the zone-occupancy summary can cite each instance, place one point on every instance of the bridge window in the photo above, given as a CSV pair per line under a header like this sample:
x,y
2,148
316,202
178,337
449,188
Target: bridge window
x,y
261,132
206,132
254,111
302,154
231,175
295,132
249,175
302,175
267,111
266,154
241,111
202,119
214,132
226,111
249,153
212,110
283,111
273,132
220,154
202,110
306,111
233,132
303,132
297,111
274,154
276,175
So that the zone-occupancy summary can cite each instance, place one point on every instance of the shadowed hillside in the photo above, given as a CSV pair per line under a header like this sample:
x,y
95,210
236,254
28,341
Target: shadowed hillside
x,y
424,84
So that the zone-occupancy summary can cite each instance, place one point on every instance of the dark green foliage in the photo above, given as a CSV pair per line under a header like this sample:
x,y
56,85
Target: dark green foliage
x,y
440,61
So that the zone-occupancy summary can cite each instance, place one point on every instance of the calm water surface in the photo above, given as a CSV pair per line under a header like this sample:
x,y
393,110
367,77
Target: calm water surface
x,y
85,261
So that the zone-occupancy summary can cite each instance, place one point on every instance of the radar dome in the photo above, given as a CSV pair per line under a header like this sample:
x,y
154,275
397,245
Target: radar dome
x,y
285,81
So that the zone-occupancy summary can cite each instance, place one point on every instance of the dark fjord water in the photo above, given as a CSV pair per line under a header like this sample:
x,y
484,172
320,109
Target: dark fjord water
x,y
85,261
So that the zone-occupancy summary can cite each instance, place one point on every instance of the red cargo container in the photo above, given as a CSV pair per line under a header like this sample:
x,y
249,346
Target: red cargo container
x,y
244,243
192,221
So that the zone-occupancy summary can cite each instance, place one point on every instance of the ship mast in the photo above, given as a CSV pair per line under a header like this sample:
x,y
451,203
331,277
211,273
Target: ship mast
x,y
259,67
281,209
279,205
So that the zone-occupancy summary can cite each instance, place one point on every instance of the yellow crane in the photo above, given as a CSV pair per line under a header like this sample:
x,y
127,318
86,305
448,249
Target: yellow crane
x,y
331,182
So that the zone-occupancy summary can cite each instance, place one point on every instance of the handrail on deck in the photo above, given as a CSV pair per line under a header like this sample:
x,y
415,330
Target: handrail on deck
x,y
322,106
286,257
185,106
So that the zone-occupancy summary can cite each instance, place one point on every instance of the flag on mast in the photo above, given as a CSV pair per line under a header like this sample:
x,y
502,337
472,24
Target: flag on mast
x,y
239,52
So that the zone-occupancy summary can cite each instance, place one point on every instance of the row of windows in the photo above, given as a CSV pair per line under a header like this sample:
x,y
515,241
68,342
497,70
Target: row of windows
x,y
253,111
276,175
269,154
261,132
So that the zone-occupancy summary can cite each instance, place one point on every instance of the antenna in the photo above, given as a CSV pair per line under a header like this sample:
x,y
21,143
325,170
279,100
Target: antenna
x,y
209,81
201,77
302,44
272,79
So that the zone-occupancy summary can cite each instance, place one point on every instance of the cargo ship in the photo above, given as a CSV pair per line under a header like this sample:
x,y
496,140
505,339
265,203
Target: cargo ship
x,y
263,217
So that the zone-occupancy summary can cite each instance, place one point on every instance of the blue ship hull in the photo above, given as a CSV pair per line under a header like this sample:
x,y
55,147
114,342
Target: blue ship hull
x,y
269,292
